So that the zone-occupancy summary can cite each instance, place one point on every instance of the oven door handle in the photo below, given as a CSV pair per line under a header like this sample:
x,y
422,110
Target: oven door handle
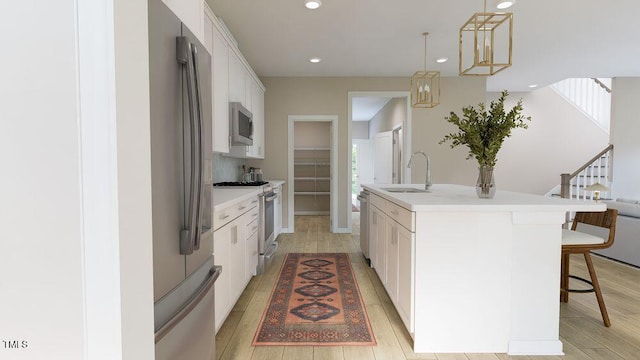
x,y
271,251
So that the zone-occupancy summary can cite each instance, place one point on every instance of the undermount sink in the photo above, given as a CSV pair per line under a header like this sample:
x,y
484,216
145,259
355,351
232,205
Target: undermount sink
x,y
404,190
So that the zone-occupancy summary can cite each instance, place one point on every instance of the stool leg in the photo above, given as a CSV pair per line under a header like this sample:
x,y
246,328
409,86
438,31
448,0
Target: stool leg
x,y
564,278
596,287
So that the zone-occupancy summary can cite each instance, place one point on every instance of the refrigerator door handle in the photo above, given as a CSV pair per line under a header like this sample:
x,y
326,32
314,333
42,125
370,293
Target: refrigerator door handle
x,y
185,309
184,55
201,149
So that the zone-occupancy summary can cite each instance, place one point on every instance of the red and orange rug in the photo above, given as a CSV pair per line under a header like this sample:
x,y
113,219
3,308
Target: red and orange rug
x,y
315,301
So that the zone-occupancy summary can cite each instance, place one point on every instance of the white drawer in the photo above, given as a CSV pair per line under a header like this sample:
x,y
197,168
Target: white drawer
x,y
224,216
401,215
252,228
252,214
377,201
253,202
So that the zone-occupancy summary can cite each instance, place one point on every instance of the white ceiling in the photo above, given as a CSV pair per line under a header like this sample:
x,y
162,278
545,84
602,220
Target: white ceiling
x,y
553,39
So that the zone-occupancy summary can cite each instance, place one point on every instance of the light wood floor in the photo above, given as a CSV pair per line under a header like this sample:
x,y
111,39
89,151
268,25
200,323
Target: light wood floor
x,y
581,329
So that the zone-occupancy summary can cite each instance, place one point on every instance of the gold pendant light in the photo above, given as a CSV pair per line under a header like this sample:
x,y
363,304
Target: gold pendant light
x,y
425,85
486,41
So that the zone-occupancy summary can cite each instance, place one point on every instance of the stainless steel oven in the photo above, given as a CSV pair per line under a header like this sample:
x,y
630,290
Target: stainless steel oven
x,y
267,245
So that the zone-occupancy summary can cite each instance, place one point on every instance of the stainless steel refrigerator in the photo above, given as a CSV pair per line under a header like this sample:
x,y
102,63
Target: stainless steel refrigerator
x,y
181,159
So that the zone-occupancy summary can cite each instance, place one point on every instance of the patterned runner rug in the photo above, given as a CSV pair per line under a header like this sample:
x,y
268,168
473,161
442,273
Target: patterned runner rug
x,y
315,301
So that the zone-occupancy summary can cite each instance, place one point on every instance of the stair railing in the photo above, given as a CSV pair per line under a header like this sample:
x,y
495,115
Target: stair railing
x,y
598,169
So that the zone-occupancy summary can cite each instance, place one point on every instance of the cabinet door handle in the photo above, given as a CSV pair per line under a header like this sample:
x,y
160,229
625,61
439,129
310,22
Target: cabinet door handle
x,y
234,240
394,212
224,217
242,208
255,227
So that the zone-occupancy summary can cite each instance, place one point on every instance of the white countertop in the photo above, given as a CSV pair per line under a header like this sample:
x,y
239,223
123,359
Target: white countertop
x,y
276,182
225,197
447,197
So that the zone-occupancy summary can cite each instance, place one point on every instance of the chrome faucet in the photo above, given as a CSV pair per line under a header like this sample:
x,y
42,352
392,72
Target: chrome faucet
x,y
427,180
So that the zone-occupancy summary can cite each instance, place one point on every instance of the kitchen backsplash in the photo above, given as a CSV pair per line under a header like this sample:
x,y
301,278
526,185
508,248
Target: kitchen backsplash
x,y
226,168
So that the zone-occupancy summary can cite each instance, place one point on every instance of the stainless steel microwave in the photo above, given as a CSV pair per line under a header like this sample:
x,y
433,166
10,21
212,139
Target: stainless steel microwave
x,y
241,124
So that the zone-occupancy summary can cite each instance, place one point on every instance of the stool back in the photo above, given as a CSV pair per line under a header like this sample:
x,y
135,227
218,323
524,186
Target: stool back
x,y
606,219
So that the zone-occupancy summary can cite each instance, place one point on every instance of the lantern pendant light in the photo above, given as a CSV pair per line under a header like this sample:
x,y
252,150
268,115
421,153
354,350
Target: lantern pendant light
x,y
425,85
486,42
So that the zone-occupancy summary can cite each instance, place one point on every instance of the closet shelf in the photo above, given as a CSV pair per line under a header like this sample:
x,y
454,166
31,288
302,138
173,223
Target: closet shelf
x,y
312,180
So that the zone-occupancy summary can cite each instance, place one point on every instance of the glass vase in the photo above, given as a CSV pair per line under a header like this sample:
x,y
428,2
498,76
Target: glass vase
x,y
485,185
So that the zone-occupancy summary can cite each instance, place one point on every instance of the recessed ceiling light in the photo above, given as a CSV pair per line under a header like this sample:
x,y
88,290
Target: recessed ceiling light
x,y
533,86
442,60
315,60
504,4
312,4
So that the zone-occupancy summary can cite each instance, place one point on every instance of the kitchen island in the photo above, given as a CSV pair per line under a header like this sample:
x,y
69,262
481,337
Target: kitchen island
x,y
470,275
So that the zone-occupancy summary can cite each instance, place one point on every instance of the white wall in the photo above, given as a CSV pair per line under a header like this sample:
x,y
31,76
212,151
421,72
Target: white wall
x,y
134,178
312,134
560,139
429,127
625,136
76,243
40,210
393,113
360,130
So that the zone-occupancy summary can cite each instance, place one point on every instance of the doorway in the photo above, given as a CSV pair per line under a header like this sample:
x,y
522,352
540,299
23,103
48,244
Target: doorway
x,y
400,131
361,167
312,164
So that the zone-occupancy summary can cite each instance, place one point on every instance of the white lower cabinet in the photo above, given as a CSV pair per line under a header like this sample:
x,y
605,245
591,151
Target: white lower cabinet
x,y
221,250
392,246
406,273
251,251
378,234
373,238
235,247
237,256
391,239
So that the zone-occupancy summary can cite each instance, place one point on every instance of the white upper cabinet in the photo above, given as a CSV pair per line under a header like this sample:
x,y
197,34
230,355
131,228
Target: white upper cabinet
x,y
249,85
220,103
237,92
207,24
190,13
233,81
257,103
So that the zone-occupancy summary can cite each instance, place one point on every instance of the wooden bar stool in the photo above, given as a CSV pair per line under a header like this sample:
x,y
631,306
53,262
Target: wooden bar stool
x,y
576,242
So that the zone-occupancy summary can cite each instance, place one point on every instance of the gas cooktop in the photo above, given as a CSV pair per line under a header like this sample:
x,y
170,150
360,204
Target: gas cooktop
x,y
238,183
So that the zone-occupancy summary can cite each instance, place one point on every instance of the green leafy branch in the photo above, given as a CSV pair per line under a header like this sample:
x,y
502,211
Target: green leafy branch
x,y
484,132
